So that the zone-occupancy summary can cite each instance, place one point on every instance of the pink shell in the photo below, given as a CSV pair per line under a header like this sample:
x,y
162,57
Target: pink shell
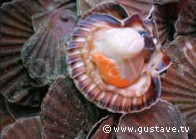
x,y
178,85
88,81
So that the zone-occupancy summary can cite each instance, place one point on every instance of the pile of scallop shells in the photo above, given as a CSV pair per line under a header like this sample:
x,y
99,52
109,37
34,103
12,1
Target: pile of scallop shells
x,y
98,69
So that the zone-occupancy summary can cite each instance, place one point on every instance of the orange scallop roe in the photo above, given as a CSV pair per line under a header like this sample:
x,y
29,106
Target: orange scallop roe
x,y
108,71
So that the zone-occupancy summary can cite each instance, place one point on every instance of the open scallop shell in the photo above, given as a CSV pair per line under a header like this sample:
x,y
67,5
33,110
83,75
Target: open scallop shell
x,y
186,19
16,28
65,113
44,53
23,128
165,17
179,84
141,7
162,115
87,78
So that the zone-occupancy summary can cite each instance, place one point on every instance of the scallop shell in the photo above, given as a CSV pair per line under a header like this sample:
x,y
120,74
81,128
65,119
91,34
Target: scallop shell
x,y
141,7
162,115
111,7
87,78
65,113
44,53
186,20
165,17
154,123
23,128
98,131
179,84
16,28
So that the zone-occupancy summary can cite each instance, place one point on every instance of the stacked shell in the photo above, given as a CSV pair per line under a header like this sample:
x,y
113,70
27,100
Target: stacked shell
x,y
16,27
176,29
141,7
33,43
178,85
65,113
115,61
44,53
148,124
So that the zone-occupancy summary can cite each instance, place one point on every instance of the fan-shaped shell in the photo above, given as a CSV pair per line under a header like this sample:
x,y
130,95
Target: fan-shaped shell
x,y
165,17
23,128
141,7
162,121
16,28
185,24
162,115
92,82
179,84
64,113
44,53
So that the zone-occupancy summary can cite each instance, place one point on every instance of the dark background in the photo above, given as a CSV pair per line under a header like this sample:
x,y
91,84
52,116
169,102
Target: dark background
x,y
2,1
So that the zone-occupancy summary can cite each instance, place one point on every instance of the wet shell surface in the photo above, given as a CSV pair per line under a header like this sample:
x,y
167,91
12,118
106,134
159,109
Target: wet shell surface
x,y
24,128
44,53
187,16
16,27
179,84
65,113
116,75
162,115
141,7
